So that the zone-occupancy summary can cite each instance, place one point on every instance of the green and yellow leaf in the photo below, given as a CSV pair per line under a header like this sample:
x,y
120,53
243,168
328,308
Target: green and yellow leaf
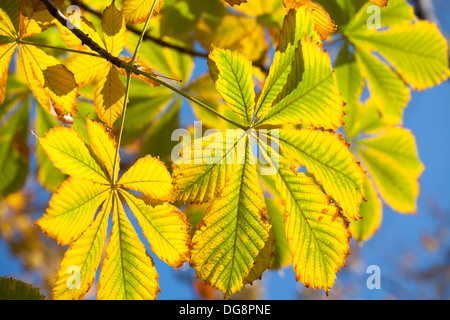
x,y
233,76
71,209
371,212
137,11
78,267
233,231
165,227
69,153
327,157
150,177
392,159
128,272
317,234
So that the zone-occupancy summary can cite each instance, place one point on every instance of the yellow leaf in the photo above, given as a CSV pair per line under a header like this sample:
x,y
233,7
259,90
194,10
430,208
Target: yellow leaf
x,y
392,159
233,78
6,53
381,3
317,234
69,153
417,51
73,41
72,209
86,69
10,18
324,25
113,26
233,231
81,260
150,177
311,95
128,272
137,11
36,17
201,176
104,144
327,157
109,96
388,91
56,80
165,227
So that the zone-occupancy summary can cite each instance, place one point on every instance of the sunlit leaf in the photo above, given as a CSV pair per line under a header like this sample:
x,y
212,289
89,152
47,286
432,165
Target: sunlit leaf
x,y
128,272
317,234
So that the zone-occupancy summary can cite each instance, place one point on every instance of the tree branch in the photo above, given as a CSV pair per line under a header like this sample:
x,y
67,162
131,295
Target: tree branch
x,y
159,41
85,39
146,35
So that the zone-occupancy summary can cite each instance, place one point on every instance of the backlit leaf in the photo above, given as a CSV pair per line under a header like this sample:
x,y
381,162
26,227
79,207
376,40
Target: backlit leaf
x,y
72,209
137,11
327,157
128,272
150,177
165,227
232,75
371,212
317,234
232,233
391,157
69,153
83,256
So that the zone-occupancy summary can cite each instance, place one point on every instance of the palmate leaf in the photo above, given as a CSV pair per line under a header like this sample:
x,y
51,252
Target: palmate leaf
x,y
71,218
51,82
232,242
417,51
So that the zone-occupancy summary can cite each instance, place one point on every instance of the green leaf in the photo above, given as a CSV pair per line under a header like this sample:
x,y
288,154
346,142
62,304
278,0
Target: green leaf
x,y
128,272
297,24
371,212
11,289
232,75
312,97
418,51
388,91
392,160
13,147
348,74
49,176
